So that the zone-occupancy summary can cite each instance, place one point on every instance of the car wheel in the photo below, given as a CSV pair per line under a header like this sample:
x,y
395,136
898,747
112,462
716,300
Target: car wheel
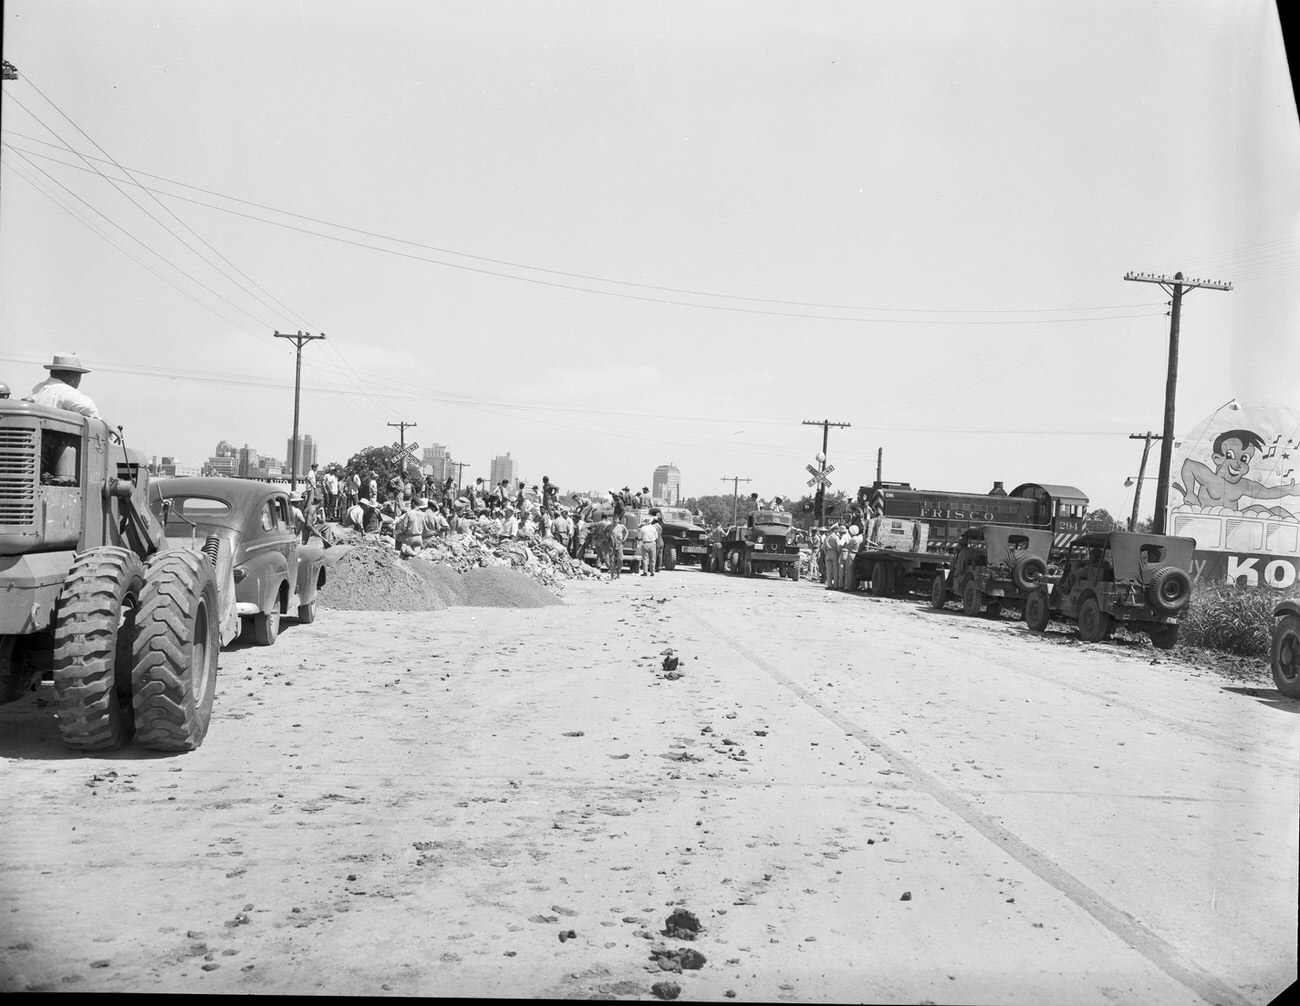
x,y
1094,624
266,627
1286,656
1038,611
938,592
1163,637
971,599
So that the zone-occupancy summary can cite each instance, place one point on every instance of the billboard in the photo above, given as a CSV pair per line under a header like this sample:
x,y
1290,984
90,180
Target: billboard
x,y
1233,489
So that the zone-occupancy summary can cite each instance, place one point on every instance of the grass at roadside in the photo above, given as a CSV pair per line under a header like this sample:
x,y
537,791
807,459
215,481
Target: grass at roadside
x,y
1231,619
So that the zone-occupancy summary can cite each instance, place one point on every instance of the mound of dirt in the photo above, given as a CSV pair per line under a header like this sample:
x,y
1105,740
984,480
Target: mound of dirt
x,y
503,587
366,574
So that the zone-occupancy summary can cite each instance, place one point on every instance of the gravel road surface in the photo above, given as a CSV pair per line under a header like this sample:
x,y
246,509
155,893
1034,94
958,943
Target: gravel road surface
x,y
857,799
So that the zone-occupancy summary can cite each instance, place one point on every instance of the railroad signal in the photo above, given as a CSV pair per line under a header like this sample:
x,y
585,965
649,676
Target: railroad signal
x,y
405,453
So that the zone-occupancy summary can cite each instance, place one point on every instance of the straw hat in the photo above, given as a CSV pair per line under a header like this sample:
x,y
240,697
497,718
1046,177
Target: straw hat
x,y
67,361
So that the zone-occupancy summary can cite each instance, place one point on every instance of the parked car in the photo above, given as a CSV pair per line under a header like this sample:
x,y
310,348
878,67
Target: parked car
x,y
1285,655
1139,580
275,574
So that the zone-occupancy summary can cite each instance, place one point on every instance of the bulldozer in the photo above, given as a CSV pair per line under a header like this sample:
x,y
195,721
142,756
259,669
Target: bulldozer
x,y
126,624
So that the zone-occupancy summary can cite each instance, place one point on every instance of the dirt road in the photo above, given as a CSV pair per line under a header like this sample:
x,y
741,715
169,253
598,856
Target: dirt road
x,y
859,799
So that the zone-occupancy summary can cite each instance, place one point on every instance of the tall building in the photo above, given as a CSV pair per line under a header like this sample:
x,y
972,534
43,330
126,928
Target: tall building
x,y
437,462
224,460
504,467
305,455
666,484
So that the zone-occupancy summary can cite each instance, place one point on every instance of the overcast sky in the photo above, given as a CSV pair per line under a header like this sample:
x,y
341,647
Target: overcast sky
x,y
607,236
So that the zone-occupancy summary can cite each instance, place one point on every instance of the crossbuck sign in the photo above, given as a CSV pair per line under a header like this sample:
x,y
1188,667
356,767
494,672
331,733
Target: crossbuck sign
x,y
406,453
819,478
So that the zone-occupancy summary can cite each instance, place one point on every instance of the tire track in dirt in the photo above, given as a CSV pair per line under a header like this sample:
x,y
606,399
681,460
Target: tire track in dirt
x,y
1156,950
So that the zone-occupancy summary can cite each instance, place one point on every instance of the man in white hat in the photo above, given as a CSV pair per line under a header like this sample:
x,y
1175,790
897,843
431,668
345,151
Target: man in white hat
x,y
59,390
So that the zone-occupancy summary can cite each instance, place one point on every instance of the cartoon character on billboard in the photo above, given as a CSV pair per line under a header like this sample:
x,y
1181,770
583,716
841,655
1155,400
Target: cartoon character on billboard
x,y
1226,484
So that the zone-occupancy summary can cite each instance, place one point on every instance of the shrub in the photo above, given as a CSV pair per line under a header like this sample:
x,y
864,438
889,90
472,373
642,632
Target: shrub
x,y
1232,619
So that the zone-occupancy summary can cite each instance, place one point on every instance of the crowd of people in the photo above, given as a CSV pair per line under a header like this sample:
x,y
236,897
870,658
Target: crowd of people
x,y
415,514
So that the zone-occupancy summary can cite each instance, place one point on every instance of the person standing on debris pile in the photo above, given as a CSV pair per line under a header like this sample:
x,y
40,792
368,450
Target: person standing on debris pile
x,y
562,530
460,522
59,390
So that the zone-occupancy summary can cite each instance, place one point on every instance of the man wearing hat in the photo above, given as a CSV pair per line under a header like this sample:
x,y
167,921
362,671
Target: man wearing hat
x,y
59,390
646,539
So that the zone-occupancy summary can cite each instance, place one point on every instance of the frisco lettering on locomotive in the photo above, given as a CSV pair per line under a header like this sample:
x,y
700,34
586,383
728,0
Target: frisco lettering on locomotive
x,y
1060,509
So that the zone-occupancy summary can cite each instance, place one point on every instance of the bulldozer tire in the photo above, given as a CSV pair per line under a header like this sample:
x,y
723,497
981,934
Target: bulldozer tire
x,y
1169,590
1094,624
1027,571
1285,656
174,675
1038,610
938,592
670,557
971,599
95,623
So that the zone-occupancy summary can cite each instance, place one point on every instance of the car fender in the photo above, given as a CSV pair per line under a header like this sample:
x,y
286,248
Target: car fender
x,y
311,572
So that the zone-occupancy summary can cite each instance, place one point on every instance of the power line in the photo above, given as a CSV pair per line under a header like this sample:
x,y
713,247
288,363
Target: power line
x,y
601,279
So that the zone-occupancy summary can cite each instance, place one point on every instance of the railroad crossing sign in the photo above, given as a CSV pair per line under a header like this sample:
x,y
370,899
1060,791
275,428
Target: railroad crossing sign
x,y
819,476
406,453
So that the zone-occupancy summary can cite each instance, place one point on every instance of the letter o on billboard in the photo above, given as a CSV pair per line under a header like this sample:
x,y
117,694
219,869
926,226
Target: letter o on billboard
x,y
1279,573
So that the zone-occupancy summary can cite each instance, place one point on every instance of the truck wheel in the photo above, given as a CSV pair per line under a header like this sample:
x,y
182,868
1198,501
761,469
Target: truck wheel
x,y
1027,571
971,599
94,624
1286,656
744,566
1038,610
938,592
1094,624
706,563
174,673
794,572
1169,590
879,579
670,557
1163,637
993,609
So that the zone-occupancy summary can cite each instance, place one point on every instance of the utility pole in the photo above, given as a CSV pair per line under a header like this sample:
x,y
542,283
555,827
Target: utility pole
x,y
460,466
299,340
1142,468
880,459
735,481
1174,287
826,425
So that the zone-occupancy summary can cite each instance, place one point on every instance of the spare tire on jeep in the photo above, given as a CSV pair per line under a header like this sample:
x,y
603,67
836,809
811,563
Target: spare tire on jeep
x,y
1169,590
1027,571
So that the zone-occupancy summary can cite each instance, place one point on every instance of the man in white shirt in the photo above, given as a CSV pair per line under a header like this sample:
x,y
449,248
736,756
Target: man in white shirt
x,y
646,538
59,390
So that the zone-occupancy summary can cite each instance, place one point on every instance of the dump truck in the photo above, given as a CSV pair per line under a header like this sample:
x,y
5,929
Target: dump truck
x,y
126,622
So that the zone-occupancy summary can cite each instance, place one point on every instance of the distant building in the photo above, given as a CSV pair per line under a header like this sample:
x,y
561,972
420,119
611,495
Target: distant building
x,y
666,484
437,462
504,467
305,456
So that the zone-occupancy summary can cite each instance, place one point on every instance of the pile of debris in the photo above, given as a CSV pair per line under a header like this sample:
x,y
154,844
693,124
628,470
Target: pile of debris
x,y
365,572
